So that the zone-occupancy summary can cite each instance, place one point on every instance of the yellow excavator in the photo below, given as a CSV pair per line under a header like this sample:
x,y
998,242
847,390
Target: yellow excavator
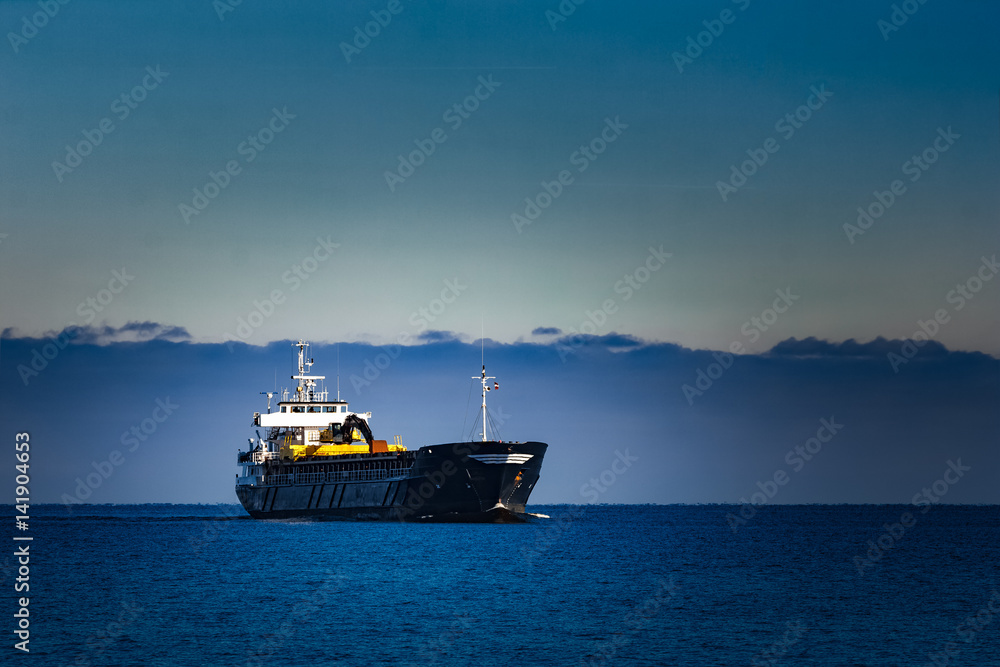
x,y
351,437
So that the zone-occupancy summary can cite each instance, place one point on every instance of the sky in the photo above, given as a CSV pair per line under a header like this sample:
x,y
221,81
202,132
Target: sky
x,y
682,179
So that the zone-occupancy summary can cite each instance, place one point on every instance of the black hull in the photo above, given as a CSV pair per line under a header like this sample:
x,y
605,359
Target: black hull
x,y
475,482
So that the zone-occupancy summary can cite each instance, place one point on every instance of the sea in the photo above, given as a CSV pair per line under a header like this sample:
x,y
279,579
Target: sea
x,y
576,585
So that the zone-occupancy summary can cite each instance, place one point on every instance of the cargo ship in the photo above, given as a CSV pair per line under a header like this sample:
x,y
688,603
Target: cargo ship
x,y
318,459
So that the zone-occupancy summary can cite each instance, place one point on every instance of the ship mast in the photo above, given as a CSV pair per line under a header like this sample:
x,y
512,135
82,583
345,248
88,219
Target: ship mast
x,y
307,383
483,378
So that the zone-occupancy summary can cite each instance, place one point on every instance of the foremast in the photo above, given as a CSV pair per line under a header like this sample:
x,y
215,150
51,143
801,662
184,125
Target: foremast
x,y
483,379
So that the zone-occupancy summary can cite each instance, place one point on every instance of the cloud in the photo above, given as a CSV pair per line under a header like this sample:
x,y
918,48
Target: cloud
x,y
438,336
131,332
546,331
878,348
611,341
899,428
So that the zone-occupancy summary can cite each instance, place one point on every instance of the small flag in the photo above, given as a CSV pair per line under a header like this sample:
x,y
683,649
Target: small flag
x,y
496,385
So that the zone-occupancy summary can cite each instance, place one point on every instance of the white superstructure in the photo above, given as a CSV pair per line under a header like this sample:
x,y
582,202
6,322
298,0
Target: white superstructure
x,y
299,418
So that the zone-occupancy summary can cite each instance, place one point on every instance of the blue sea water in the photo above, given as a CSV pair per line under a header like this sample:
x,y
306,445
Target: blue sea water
x,y
590,585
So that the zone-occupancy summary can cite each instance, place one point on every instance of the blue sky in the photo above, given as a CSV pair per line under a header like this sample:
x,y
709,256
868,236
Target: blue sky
x,y
683,176
655,184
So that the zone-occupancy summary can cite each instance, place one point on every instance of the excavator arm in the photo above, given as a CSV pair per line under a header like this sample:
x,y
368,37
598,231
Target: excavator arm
x,y
355,422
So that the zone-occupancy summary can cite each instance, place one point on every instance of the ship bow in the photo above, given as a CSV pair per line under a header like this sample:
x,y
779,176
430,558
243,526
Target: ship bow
x,y
474,481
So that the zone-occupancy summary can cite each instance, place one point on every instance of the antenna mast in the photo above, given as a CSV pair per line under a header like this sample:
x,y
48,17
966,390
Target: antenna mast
x,y
483,378
306,389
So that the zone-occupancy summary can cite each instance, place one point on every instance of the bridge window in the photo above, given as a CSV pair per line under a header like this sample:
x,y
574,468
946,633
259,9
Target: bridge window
x,y
329,408
312,408
283,408
343,408
298,408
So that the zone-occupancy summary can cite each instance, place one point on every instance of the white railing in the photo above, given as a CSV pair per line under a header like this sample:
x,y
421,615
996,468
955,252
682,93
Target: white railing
x,y
325,477
272,480
256,457
317,395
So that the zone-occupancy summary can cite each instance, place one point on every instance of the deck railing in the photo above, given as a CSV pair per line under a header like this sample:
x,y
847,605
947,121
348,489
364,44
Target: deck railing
x,y
328,477
256,456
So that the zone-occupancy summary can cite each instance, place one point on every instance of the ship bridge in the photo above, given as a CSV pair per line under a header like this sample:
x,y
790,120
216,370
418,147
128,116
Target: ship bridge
x,y
306,414
306,420
308,406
